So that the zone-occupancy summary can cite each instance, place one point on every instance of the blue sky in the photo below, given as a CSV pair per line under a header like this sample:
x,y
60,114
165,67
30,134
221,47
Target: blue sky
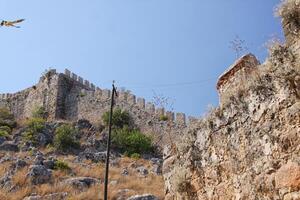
x,y
176,48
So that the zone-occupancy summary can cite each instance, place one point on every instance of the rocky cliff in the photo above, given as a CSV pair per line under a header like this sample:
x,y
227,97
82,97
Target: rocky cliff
x,y
248,147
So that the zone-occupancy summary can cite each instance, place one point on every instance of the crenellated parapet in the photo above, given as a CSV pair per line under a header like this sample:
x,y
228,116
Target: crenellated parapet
x,y
7,96
85,83
70,97
126,98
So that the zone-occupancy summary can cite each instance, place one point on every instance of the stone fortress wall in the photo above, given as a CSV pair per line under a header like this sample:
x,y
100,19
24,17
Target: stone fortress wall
x,y
67,96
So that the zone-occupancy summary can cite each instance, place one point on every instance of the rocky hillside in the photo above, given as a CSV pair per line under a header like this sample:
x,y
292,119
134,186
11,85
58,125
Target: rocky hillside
x,y
42,159
248,147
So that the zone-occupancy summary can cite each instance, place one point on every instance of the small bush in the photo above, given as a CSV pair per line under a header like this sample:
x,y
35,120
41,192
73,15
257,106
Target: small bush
x,y
6,118
5,128
65,137
4,133
34,127
163,118
119,119
131,141
135,156
61,165
39,112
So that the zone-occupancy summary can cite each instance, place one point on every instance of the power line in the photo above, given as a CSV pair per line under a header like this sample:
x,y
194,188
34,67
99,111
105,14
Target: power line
x,y
166,85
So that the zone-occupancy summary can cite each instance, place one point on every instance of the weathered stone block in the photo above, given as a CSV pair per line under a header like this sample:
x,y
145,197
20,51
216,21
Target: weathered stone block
x,y
98,92
170,115
141,103
67,73
92,86
160,111
192,120
74,76
80,79
131,99
105,94
86,83
83,92
122,96
150,107
180,118
52,71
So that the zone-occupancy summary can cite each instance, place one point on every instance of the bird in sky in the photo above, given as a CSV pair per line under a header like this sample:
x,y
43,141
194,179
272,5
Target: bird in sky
x,y
11,23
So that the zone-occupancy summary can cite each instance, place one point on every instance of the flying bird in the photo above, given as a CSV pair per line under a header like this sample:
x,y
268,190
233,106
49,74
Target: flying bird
x,y
11,23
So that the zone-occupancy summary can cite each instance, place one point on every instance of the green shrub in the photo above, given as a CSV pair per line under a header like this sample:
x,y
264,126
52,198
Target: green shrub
x,y
4,133
6,118
39,112
82,94
5,128
163,118
135,156
119,119
61,165
65,137
131,141
34,127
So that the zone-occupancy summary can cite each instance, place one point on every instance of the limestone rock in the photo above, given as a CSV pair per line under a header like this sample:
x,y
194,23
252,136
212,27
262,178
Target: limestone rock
x,y
143,197
9,146
54,196
39,174
288,176
80,182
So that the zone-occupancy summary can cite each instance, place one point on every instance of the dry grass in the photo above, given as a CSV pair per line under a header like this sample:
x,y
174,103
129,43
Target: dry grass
x,y
19,179
135,184
4,167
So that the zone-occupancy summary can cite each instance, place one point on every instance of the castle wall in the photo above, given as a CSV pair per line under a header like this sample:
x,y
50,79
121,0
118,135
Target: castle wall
x,y
43,94
93,104
68,96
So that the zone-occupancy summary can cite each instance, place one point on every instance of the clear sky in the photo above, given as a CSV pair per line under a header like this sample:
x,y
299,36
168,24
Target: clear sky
x,y
176,48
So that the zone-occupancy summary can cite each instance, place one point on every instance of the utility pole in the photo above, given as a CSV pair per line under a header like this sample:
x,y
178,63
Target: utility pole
x,y
109,140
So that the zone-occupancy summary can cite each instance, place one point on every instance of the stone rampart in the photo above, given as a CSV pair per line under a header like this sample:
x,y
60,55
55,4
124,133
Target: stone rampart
x,y
70,97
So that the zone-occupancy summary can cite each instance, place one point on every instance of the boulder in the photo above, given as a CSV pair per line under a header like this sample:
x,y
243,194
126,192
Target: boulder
x,y
9,146
156,169
19,164
142,171
39,174
2,140
49,164
125,171
39,159
99,157
83,123
80,182
288,176
54,196
143,197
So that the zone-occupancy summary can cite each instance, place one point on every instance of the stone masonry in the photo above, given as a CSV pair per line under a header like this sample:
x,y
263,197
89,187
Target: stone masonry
x,y
66,96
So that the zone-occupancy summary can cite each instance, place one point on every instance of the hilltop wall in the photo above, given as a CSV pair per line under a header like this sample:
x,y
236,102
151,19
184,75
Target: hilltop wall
x,y
43,94
67,96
